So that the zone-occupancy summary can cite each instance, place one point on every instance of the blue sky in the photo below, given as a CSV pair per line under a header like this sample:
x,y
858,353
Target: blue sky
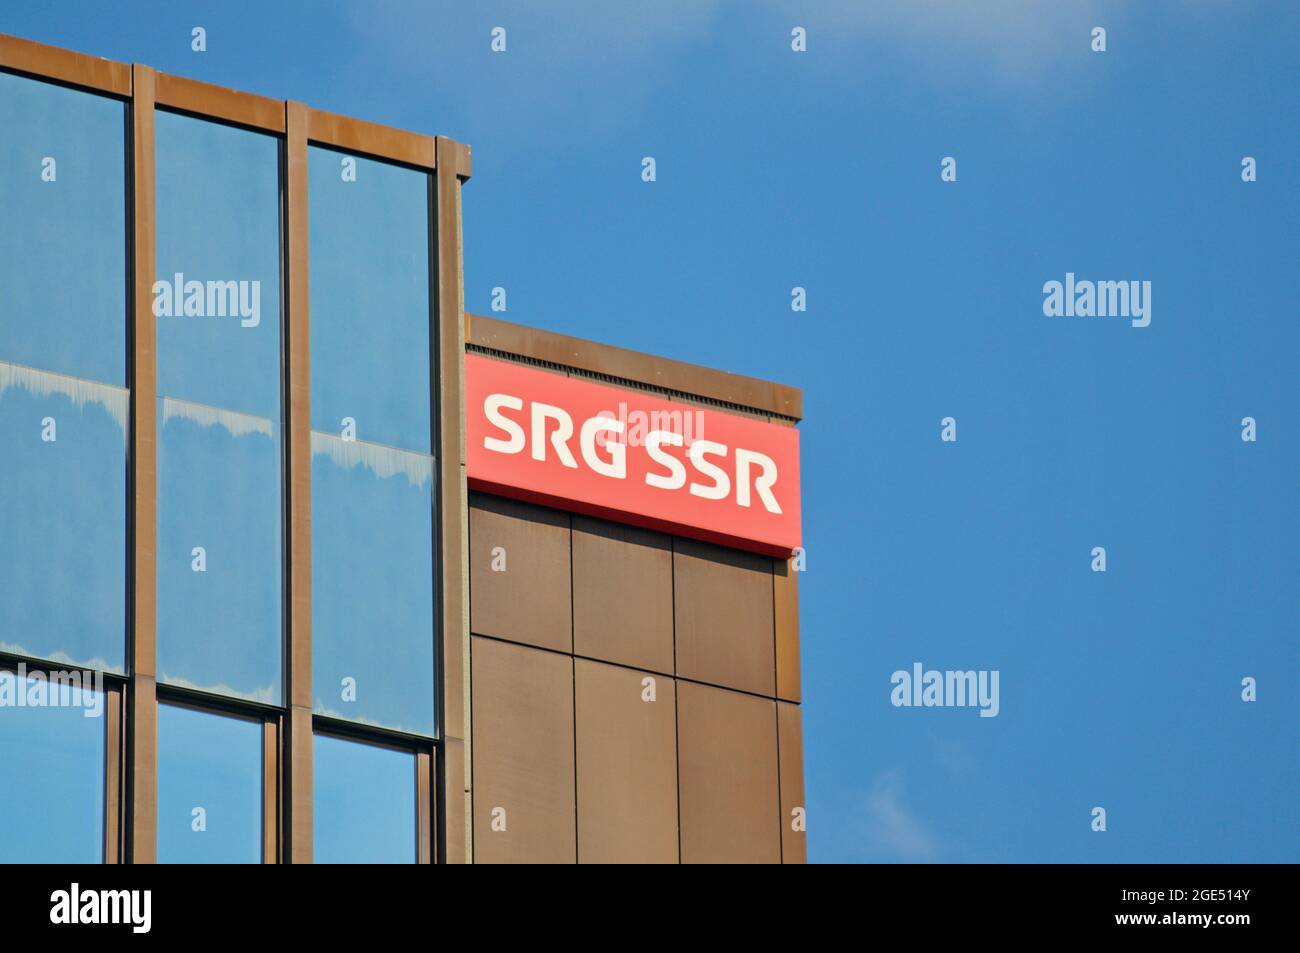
x,y
821,169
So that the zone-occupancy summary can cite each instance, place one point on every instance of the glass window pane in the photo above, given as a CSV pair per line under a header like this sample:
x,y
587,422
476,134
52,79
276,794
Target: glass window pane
x,y
52,785
220,585
218,292
63,408
62,519
372,473
63,230
369,246
219,539
209,788
372,585
365,803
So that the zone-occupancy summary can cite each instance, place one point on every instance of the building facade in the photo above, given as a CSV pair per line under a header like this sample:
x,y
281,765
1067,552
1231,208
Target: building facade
x,y
290,572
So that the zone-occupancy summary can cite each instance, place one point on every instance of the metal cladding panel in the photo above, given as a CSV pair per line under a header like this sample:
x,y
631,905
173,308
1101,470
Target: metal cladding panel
x,y
523,755
785,603
453,767
622,594
728,776
789,730
519,573
627,765
724,617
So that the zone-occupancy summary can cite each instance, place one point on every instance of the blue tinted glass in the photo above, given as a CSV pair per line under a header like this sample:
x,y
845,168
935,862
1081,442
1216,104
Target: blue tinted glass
x,y
63,409
209,788
372,584
369,242
219,454
219,546
62,518
365,803
62,230
52,785
218,296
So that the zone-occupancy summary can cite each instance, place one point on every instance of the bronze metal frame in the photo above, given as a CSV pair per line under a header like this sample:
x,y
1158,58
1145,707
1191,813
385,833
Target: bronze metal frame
x,y
114,777
272,758
142,778
298,771
65,66
457,834
217,102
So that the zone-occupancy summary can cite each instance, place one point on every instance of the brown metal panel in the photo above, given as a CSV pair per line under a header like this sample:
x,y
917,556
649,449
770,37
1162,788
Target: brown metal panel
x,y
271,791
464,158
298,359
144,450
113,750
455,797
92,72
143,782
299,777
450,337
622,594
785,595
423,808
455,623
383,142
626,743
523,755
449,304
431,782
455,683
455,602
635,366
299,781
727,776
178,92
454,686
529,600
144,462
789,733
785,599
724,616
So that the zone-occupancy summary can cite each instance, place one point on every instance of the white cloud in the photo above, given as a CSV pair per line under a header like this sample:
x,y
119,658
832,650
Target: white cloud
x,y
586,63
574,68
892,826
1007,41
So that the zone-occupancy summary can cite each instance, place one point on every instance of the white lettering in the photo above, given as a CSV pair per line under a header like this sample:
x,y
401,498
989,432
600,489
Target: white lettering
x,y
492,407
616,465
721,482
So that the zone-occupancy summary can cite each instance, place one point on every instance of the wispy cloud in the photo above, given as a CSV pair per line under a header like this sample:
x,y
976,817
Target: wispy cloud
x,y
1004,39
581,63
575,66
892,826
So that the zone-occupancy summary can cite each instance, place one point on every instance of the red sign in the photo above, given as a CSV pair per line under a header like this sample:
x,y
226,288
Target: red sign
x,y
631,457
